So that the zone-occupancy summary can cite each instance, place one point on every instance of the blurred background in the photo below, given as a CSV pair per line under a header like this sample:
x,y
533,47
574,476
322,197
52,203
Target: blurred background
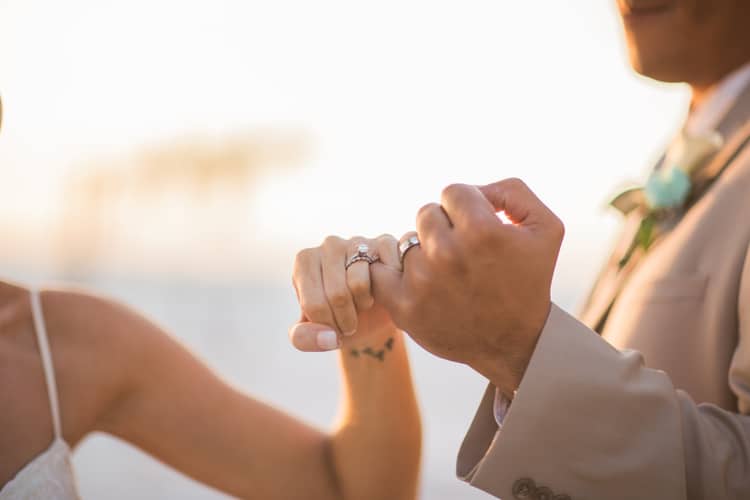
x,y
176,155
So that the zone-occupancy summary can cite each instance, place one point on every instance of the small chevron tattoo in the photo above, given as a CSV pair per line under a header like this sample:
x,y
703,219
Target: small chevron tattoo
x,y
369,351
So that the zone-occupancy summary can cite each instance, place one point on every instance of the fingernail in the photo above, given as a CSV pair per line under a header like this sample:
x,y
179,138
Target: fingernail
x,y
349,334
328,340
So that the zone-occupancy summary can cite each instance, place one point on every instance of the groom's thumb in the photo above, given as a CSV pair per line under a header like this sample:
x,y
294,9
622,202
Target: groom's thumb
x,y
519,203
387,287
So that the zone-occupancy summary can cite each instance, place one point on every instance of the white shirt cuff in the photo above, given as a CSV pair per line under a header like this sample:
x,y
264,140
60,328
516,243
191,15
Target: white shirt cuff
x,y
500,407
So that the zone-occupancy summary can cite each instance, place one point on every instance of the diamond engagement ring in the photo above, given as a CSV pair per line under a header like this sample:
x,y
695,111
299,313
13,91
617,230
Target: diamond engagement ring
x,y
407,244
363,254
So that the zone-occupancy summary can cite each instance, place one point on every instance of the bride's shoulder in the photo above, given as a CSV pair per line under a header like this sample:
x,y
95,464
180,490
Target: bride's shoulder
x,y
97,346
80,314
100,348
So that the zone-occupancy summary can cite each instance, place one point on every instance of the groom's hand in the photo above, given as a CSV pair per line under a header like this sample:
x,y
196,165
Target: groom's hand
x,y
477,290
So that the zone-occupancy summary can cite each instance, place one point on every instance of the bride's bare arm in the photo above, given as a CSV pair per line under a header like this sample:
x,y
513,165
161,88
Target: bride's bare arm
x,y
120,373
376,451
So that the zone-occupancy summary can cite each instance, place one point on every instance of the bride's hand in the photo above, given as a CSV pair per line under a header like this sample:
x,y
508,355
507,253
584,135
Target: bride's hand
x,y
337,304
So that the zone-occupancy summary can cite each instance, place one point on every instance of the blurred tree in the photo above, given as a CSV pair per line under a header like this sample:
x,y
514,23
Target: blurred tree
x,y
107,201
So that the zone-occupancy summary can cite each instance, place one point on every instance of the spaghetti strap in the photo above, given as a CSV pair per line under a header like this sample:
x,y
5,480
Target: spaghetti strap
x,y
49,369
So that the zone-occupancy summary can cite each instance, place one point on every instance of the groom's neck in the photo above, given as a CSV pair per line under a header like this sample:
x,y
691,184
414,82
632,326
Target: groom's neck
x,y
702,89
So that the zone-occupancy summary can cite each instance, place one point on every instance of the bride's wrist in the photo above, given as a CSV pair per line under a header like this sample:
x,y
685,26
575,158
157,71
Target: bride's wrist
x,y
374,344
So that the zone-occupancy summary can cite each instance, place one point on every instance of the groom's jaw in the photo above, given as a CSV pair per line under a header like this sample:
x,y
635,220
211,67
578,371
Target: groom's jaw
x,y
693,41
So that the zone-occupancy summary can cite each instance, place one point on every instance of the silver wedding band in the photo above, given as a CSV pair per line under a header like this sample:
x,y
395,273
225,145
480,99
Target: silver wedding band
x,y
405,245
362,255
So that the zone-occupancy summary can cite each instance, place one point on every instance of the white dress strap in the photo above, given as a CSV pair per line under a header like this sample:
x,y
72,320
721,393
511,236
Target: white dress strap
x,y
49,369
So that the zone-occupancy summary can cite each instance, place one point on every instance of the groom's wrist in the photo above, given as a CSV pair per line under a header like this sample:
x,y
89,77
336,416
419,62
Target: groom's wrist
x,y
504,377
505,369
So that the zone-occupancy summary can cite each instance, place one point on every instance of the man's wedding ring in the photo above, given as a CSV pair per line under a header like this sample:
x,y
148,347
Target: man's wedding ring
x,y
363,254
407,244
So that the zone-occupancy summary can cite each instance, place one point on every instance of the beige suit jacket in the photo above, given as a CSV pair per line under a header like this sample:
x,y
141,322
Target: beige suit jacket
x,y
657,408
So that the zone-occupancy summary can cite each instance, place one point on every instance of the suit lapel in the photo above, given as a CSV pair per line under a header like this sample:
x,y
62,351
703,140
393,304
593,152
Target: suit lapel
x,y
735,127
611,279
737,117
726,156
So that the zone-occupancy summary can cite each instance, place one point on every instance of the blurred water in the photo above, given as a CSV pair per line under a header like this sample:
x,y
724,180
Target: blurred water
x,y
240,331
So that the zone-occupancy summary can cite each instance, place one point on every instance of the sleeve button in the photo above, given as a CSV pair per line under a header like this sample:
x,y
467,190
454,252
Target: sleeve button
x,y
524,489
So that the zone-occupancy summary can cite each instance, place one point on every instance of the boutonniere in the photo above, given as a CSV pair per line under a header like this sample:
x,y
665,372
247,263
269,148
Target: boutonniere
x,y
667,189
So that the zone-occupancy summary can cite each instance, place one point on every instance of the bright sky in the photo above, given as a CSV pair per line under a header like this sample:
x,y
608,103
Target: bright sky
x,y
400,97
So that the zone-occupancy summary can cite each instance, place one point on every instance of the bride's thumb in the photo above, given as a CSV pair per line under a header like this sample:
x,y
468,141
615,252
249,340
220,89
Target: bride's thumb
x,y
313,337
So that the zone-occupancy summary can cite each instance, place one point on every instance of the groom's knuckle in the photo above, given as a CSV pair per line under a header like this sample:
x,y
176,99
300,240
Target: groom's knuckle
x,y
514,188
425,210
514,184
452,191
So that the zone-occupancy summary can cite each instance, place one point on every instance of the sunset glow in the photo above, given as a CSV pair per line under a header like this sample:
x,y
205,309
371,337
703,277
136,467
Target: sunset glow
x,y
398,101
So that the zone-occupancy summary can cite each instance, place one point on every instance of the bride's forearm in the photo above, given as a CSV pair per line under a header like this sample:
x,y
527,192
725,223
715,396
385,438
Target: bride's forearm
x,y
376,447
375,450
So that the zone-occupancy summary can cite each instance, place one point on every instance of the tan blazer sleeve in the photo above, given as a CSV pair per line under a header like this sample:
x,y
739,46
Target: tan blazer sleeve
x,y
590,422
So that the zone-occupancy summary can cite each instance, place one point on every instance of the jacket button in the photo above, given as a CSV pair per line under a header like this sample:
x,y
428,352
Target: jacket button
x,y
524,489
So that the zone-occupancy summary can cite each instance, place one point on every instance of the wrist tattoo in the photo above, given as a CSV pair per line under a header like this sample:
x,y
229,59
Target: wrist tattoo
x,y
369,351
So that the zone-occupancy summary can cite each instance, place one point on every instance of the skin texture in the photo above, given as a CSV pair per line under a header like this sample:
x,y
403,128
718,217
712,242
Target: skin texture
x,y
693,41
119,373
477,291
329,294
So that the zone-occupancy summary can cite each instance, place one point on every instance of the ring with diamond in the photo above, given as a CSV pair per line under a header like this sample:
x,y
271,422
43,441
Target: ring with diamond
x,y
363,254
407,244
